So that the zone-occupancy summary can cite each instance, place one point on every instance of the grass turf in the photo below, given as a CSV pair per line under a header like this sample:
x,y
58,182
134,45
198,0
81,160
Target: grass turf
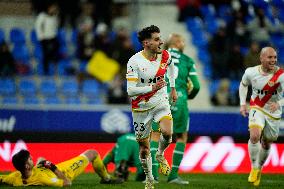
x,y
197,181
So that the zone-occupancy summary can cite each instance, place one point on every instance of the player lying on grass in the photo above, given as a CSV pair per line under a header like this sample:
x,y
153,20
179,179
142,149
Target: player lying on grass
x,y
125,154
46,173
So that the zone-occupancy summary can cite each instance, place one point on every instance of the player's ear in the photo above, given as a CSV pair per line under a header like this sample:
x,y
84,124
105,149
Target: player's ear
x,y
145,42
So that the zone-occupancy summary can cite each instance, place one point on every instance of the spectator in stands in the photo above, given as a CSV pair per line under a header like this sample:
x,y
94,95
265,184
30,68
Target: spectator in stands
x,y
251,59
222,95
85,25
260,27
7,62
123,49
188,8
102,39
69,11
218,48
235,62
46,27
117,91
237,31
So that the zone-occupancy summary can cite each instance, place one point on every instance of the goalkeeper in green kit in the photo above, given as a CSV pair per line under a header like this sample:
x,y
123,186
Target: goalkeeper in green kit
x,y
187,86
125,154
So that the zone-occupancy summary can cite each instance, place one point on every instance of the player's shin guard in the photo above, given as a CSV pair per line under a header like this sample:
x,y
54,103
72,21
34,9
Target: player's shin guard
x,y
164,142
177,157
263,154
155,165
100,169
147,166
254,153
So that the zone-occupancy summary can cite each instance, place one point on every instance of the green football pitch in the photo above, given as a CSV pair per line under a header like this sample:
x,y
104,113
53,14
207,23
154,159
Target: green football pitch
x,y
197,181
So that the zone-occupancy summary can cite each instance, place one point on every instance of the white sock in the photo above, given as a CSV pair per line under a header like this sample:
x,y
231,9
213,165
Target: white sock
x,y
147,167
163,144
254,153
263,154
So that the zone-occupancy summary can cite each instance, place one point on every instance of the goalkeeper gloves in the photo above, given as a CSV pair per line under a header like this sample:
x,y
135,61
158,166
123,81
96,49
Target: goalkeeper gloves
x,y
48,165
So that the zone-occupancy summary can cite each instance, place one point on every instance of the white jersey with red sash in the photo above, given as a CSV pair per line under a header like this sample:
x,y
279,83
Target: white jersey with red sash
x,y
147,72
265,88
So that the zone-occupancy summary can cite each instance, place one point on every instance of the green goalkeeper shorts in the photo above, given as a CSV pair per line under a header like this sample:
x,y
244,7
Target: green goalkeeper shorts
x,y
180,119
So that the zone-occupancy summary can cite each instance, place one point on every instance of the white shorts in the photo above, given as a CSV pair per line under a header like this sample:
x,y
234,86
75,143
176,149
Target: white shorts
x,y
142,121
268,124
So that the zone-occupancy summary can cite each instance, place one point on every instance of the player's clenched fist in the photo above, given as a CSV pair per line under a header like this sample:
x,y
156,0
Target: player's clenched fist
x,y
47,164
160,84
244,110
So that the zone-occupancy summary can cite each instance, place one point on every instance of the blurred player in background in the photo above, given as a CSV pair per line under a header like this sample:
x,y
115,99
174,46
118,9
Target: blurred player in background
x,y
125,154
187,86
46,173
267,81
146,87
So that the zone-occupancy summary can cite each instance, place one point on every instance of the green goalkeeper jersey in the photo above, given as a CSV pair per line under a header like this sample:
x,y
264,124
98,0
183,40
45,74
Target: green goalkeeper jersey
x,y
186,81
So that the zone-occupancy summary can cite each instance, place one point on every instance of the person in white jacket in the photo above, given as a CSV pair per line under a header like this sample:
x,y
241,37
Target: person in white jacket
x,y
147,89
267,81
46,27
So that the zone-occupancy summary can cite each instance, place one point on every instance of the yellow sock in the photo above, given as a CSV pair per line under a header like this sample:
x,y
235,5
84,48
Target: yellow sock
x,y
100,169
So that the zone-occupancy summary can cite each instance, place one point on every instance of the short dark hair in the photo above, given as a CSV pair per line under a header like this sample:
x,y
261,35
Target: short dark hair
x,y
146,33
19,160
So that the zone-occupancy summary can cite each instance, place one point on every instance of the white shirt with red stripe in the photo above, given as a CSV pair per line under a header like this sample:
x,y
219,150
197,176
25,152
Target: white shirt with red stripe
x,y
266,88
142,74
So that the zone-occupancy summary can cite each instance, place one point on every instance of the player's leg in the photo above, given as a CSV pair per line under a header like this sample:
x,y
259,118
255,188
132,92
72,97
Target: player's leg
x,y
98,165
164,117
256,124
109,157
177,158
270,134
181,127
142,127
154,144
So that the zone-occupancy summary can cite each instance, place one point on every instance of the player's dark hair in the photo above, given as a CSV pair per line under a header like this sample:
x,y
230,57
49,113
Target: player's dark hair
x,y
146,33
19,160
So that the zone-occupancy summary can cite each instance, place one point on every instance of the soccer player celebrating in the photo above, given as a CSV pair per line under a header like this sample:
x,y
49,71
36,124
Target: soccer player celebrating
x,y
146,87
187,86
267,81
46,173
125,154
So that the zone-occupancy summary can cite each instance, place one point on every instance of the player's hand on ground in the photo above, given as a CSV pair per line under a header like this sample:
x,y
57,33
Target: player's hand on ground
x,y
273,106
160,84
244,110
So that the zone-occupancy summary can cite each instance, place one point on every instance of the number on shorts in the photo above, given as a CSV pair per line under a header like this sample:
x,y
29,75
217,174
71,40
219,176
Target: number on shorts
x,y
136,127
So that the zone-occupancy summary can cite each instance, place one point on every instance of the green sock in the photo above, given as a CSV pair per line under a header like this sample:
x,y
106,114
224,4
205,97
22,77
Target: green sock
x,y
108,158
155,166
177,157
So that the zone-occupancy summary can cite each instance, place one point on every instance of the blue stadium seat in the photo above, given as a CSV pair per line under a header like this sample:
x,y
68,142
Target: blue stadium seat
x,y
21,54
194,24
31,100
90,88
33,37
70,88
2,36
64,66
94,101
213,87
72,100
52,100
7,87
136,44
10,100
234,86
48,87
27,87
17,36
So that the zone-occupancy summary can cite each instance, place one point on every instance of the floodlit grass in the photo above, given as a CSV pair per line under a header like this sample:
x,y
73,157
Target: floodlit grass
x,y
197,181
